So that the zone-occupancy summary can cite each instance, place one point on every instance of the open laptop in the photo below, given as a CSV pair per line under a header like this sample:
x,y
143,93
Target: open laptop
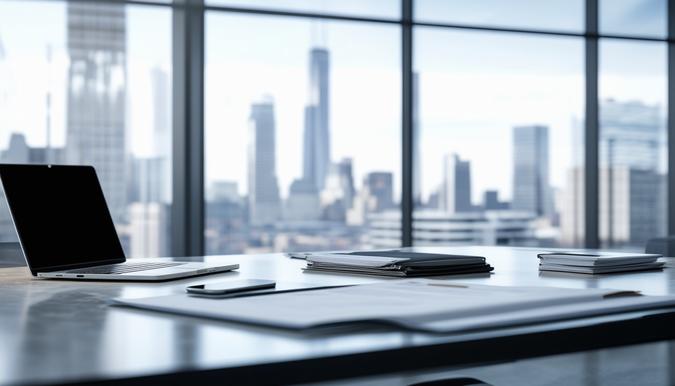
x,y
66,230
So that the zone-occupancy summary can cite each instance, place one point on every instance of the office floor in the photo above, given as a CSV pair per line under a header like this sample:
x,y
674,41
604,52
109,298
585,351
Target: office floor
x,y
645,365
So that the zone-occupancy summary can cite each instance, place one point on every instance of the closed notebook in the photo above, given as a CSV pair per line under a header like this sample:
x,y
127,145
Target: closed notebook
x,y
396,263
598,263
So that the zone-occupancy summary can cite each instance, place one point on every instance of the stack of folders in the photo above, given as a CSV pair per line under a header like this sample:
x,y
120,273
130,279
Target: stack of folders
x,y
598,263
396,263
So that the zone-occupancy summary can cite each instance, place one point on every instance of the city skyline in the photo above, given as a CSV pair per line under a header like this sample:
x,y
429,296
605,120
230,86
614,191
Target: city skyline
x,y
463,103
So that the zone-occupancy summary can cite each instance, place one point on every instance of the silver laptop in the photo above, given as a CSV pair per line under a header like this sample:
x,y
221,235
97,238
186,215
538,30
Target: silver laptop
x,y
66,230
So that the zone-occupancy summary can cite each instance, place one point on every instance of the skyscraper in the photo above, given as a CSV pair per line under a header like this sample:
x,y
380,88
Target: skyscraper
x,y
338,195
531,188
263,189
380,186
316,151
162,130
456,189
417,166
95,133
632,194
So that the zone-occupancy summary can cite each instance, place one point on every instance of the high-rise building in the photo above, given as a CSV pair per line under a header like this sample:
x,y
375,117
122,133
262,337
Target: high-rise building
x,y
161,96
316,150
631,135
338,194
456,188
303,203
417,165
531,188
146,179
223,191
263,189
631,177
491,201
148,229
95,133
380,185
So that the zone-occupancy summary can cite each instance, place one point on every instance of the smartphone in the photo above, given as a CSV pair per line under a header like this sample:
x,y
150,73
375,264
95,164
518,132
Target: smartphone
x,y
230,287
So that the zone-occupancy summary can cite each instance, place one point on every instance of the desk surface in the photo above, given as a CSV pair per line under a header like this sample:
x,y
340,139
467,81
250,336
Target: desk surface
x,y
64,331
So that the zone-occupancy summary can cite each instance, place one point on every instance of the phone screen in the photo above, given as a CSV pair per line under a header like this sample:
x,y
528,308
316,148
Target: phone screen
x,y
226,287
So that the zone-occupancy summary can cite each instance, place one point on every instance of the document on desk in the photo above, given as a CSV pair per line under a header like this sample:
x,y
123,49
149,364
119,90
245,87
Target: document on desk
x,y
415,304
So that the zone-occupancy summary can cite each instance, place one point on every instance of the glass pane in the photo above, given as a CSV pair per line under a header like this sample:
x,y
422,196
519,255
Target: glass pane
x,y
634,17
302,133
553,15
88,83
499,127
365,8
633,168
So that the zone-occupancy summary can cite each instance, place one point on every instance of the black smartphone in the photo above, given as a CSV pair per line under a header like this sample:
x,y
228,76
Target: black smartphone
x,y
230,287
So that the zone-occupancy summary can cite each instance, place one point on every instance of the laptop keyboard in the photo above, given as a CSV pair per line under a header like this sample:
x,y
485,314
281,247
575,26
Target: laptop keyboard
x,y
117,269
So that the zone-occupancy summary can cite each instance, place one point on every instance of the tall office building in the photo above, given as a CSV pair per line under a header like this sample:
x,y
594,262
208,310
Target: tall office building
x,y
417,146
491,201
631,135
149,229
338,195
631,177
263,189
456,188
380,185
162,130
95,133
316,152
303,203
531,188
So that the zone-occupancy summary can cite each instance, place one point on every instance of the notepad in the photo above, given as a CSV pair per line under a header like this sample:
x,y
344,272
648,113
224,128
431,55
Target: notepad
x,y
396,263
598,263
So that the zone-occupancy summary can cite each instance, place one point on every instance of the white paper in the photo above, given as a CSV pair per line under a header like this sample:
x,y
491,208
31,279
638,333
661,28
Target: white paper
x,y
416,302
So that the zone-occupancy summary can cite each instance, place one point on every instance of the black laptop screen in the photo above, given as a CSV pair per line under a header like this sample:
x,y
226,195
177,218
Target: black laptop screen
x,y
60,215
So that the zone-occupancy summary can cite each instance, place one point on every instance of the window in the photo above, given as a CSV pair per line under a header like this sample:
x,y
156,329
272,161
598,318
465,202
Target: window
x,y
499,133
90,83
302,133
555,15
303,121
369,8
633,17
633,153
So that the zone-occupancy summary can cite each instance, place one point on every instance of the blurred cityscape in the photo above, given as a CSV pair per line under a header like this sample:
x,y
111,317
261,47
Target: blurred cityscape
x,y
325,208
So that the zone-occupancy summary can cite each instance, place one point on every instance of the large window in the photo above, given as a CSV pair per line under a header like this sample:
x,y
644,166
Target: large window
x,y
310,126
633,136
499,132
302,143
90,83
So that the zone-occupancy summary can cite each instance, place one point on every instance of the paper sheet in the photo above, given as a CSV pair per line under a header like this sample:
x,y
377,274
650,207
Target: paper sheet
x,y
416,303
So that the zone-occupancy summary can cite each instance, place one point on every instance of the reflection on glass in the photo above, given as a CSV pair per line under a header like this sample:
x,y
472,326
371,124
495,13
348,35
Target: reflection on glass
x,y
69,74
634,17
302,133
499,128
632,144
555,15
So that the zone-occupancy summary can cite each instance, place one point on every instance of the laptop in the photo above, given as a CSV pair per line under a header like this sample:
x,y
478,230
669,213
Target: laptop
x,y
66,230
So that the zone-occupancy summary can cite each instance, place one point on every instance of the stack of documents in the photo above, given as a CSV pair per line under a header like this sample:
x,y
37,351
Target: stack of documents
x,y
396,263
415,304
596,263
